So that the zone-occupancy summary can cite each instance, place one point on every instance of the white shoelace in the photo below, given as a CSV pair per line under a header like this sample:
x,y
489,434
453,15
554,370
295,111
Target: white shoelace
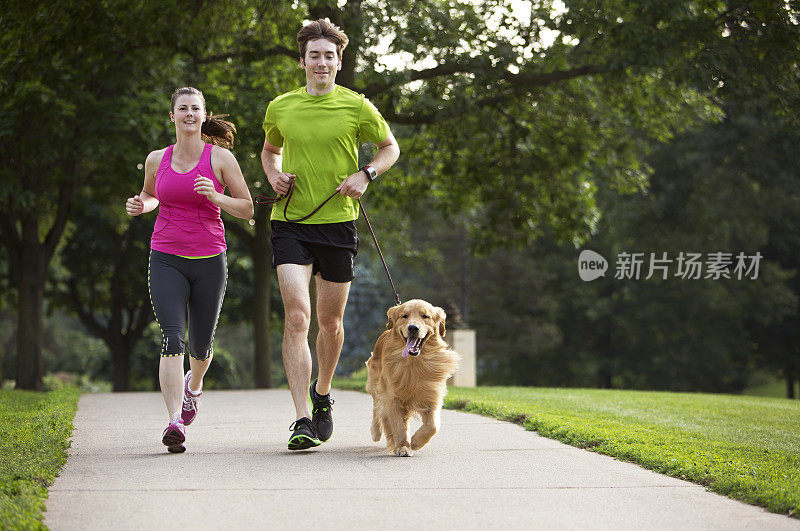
x,y
191,402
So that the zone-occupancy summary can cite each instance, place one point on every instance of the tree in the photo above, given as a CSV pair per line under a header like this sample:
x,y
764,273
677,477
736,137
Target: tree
x,y
521,135
513,137
512,131
58,100
105,287
5,305
505,109
138,98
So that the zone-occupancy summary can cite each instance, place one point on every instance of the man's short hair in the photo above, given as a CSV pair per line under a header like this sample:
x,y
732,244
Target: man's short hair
x,y
321,29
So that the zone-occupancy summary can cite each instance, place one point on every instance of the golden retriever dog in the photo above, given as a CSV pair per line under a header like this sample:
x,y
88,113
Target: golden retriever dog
x,y
407,374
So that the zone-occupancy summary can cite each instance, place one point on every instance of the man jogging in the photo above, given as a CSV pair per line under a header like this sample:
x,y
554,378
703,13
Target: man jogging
x,y
312,138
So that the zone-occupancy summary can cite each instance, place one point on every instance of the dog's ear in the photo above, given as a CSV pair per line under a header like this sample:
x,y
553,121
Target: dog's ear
x,y
440,319
391,314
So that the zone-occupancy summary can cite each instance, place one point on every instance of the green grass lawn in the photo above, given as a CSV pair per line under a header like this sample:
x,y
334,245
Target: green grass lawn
x,y
34,433
745,447
774,388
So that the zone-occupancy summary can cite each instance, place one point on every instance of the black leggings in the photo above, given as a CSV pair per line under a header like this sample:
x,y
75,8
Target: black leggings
x,y
177,284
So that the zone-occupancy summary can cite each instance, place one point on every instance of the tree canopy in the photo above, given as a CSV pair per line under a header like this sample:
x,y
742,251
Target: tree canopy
x,y
519,122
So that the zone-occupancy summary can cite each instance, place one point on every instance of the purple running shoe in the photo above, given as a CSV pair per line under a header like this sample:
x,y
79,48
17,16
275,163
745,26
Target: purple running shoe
x,y
190,402
174,437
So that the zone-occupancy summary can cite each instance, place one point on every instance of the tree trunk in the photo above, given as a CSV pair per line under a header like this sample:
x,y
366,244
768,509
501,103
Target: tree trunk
x,y
789,381
121,365
7,345
30,283
260,252
466,284
29,258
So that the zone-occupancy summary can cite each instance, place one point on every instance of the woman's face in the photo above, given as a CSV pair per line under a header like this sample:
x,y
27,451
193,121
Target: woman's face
x,y
188,113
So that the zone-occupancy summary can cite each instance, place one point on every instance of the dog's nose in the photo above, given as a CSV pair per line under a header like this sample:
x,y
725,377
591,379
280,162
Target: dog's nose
x,y
413,330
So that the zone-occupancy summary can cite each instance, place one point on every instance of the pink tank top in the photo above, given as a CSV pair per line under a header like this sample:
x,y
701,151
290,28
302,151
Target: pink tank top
x,y
188,224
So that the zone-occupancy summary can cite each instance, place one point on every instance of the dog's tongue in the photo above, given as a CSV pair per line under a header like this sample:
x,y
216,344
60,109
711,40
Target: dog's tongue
x,y
409,342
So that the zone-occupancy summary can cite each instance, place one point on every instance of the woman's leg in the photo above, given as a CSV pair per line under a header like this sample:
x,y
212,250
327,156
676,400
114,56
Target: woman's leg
x,y
170,376
169,294
209,280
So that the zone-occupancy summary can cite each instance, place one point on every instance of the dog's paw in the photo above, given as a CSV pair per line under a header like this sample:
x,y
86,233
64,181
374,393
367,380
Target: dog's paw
x,y
403,451
422,436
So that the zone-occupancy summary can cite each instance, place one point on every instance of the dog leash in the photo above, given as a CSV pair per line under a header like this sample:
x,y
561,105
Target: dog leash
x,y
378,247
265,200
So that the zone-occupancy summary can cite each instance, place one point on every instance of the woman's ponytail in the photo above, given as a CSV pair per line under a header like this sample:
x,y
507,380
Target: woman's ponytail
x,y
217,131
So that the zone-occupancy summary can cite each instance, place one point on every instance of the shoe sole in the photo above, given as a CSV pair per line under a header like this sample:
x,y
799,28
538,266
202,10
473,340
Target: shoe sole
x,y
303,442
174,440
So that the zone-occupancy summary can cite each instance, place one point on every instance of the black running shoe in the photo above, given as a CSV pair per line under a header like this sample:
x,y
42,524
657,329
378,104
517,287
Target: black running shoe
x,y
321,407
304,435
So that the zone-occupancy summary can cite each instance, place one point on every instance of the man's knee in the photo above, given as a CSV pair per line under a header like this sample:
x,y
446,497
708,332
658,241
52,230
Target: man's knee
x,y
298,320
330,324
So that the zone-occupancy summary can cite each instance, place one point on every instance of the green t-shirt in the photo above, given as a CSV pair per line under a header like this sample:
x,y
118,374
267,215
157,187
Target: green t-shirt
x,y
320,136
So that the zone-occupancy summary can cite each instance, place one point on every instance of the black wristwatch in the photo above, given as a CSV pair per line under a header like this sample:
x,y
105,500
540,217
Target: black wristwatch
x,y
370,171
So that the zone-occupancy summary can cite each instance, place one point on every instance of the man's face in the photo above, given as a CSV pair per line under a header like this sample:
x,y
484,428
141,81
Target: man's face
x,y
321,63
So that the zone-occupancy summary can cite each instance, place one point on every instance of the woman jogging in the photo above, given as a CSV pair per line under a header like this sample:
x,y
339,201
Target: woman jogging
x,y
188,268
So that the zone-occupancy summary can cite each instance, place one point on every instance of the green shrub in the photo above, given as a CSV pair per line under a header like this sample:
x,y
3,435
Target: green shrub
x,y
34,433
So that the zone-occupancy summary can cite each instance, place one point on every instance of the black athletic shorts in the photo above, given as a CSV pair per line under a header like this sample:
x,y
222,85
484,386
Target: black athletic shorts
x,y
330,247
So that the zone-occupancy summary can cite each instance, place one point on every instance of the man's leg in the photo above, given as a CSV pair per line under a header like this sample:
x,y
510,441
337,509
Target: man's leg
x,y
293,280
331,301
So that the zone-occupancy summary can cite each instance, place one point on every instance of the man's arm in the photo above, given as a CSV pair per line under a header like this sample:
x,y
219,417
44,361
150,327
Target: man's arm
x,y
356,184
271,162
387,154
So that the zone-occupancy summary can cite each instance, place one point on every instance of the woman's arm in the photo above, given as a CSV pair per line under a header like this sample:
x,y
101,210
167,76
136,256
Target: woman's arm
x,y
146,200
239,204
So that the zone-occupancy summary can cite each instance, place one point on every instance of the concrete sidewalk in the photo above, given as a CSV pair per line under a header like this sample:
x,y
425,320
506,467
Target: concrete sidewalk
x,y
477,473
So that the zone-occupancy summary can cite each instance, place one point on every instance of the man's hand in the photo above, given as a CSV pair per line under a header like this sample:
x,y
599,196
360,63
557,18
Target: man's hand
x,y
281,182
355,185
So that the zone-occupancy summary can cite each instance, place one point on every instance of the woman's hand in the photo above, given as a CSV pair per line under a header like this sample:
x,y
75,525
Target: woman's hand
x,y
134,206
205,186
